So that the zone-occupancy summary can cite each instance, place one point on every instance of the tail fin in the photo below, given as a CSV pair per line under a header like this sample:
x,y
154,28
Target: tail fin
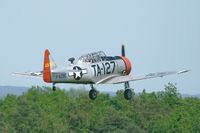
x,y
49,65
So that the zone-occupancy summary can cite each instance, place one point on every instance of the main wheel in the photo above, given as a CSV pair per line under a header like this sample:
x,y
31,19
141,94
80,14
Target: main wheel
x,y
54,88
93,94
128,94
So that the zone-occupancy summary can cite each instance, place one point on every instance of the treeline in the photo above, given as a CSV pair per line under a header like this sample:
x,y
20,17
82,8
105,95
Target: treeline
x,y
43,111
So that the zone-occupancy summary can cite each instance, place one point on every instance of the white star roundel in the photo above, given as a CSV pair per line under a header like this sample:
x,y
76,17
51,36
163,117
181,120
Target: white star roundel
x,y
77,72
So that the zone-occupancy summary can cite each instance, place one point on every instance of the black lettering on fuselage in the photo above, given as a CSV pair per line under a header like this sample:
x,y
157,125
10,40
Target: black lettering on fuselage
x,y
98,70
59,75
105,69
113,63
94,67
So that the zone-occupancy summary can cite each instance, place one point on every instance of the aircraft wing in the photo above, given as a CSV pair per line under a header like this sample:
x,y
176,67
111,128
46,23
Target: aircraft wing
x,y
123,79
38,74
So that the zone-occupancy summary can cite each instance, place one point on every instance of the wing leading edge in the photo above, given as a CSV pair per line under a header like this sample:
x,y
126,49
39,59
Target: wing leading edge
x,y
123,79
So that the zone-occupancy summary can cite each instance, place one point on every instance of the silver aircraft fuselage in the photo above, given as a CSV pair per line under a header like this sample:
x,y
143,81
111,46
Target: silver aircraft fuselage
x,y
90,73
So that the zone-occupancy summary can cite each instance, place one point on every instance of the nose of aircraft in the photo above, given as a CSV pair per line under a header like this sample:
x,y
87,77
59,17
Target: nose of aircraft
x,y
127,64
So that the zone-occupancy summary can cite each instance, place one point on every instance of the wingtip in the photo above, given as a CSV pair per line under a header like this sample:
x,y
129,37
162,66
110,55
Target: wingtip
x,y
14,73
183,71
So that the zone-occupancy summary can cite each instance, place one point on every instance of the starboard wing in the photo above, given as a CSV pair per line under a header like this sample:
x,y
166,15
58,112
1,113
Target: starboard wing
x,y
127,78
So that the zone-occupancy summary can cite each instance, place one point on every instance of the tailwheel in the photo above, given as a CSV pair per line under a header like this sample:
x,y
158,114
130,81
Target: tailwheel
x,y
93,93
54,87
128,94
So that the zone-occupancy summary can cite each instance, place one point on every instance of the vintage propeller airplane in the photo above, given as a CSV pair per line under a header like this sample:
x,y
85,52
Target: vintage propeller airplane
x,y
94,68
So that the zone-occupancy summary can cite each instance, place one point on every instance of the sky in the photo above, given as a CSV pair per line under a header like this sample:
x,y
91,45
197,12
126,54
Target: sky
x,y
159,35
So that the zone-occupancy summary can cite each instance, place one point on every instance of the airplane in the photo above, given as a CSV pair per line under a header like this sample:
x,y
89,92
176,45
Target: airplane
x,y
94,69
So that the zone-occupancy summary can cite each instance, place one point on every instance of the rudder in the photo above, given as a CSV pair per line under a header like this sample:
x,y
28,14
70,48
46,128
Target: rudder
x,y
49,64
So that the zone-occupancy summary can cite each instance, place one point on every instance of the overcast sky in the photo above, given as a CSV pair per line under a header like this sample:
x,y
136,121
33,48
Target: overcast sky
x,y
159,35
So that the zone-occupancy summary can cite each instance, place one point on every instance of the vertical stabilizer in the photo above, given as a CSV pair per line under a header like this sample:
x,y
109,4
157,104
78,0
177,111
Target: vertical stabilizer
x,y
49,64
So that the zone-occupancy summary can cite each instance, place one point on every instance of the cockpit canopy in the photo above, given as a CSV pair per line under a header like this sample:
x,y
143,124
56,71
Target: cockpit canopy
x,y
96,57
92,57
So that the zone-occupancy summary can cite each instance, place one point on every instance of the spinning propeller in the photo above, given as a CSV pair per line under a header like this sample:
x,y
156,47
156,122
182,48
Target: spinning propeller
x,y
128,92
123,51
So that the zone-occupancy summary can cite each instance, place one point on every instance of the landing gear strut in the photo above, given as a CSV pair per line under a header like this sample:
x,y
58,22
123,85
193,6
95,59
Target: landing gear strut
x,y
127,93
54,87
93,93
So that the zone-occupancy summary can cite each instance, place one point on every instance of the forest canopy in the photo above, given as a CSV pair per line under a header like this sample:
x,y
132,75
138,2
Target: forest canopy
x,y
40,110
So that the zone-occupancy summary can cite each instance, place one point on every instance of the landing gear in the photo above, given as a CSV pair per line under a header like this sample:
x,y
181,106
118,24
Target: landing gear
x,y
54,87
127,93
93,93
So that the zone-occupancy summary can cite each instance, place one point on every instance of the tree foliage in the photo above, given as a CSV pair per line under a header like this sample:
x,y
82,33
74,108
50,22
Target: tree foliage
x,y
40,110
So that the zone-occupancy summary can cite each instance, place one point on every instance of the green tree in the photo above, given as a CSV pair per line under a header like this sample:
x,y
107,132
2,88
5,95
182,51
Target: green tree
x,y
41,110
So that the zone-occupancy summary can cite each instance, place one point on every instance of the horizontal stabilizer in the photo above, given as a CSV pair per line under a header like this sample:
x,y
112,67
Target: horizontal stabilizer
x,y
30,74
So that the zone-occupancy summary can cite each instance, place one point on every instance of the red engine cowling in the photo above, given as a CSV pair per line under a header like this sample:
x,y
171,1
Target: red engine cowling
x,y
127,65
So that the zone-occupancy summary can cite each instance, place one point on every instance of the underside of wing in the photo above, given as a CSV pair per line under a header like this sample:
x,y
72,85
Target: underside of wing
x,y
30,74
123,79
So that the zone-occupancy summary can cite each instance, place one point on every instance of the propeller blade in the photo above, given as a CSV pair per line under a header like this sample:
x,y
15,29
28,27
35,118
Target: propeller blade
x,y
123,50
